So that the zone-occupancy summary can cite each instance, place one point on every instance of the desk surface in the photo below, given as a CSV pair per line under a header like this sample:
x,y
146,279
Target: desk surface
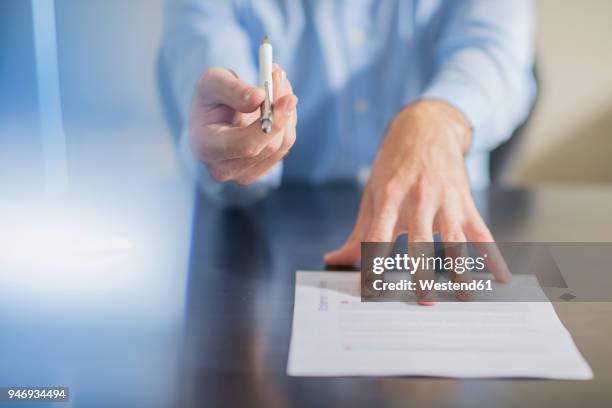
x,y
240,299
200,315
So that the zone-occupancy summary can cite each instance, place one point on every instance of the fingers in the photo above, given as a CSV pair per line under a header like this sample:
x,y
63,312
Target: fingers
x,y
280,83
235,142
455,248
274,152
383,224
239,169
458,252
420,234
251,152
421,216
232,142
419,213
226,133
220,86
478,233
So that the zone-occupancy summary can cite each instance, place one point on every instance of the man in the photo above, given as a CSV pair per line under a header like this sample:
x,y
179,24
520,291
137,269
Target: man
x,y
418,91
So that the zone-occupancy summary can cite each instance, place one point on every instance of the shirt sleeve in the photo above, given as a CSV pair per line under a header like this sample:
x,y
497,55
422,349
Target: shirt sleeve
x,y
484,59
199,34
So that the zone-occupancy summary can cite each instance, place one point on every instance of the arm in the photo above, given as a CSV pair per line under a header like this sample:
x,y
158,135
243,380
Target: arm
x,y
481,90
484,66
199,35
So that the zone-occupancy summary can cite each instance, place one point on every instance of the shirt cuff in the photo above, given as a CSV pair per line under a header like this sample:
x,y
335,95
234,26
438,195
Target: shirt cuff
x,y
465,96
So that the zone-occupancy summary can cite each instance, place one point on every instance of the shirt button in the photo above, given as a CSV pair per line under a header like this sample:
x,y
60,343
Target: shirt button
x,y
361,106
356,37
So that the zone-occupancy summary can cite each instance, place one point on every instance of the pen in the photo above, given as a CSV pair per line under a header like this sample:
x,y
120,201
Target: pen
x,y
265,83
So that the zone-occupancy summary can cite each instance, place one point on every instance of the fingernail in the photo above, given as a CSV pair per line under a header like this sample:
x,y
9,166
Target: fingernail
x,y
283,76
247,96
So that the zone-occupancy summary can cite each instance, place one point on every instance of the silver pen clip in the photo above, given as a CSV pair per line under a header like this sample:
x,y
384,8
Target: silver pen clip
x,y
266,110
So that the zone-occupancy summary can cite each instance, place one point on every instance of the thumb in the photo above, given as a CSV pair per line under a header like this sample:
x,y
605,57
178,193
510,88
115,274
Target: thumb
x,y
381,230
350,253
347,254
220,86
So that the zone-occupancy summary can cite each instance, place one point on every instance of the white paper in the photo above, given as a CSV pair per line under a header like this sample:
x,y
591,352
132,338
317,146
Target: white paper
x,y
335,334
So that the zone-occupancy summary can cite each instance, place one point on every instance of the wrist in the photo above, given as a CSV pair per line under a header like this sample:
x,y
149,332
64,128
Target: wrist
x,y
450,121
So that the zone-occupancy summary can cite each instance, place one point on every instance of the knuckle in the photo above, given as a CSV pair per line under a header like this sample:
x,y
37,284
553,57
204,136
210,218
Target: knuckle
x,y
281,123
277,126
481,235
376,236
389,194
422,191
207,76
269,150
419,210
235,87
274,146
249,151
453,236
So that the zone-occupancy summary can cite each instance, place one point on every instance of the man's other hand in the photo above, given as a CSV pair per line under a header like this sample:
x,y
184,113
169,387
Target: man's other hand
x,y
419,185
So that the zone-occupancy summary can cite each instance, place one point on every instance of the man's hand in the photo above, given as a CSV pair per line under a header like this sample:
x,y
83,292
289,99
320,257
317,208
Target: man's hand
x,y
419,186
224,127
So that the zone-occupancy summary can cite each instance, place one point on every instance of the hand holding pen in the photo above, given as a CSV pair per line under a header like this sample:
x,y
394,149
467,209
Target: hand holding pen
x,y
228,123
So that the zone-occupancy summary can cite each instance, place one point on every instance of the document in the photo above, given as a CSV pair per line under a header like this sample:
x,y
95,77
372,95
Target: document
x,y
335,334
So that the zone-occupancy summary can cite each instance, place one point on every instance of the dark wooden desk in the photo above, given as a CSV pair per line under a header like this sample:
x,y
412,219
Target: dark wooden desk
x,y
240,300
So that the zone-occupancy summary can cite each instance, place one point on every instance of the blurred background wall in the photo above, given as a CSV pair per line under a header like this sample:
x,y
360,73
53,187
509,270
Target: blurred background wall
x,y
107,51
569,138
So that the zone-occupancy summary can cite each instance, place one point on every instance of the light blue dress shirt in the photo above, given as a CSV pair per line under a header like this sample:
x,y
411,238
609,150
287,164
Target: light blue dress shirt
x,y
354,64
